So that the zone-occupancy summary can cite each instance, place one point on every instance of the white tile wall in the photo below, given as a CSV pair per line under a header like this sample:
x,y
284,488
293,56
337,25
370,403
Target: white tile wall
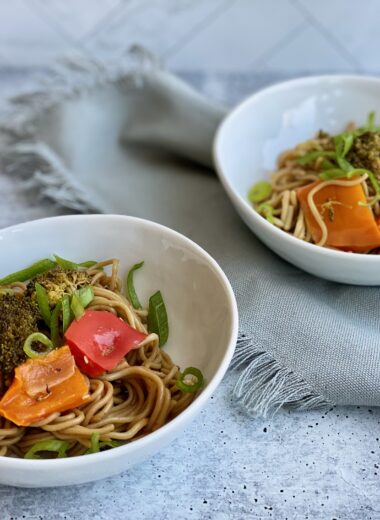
x,y
306,51
240,35
285,37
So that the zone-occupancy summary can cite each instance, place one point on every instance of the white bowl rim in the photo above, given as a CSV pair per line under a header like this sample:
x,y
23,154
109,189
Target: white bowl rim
x,y
355,258
198,403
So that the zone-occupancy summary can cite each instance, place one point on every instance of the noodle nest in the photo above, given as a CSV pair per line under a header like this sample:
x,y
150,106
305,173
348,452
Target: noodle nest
x,y
136,398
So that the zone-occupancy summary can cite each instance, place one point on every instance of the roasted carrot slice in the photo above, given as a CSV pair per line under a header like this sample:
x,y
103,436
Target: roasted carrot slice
x,y
22,409
350,226
40,375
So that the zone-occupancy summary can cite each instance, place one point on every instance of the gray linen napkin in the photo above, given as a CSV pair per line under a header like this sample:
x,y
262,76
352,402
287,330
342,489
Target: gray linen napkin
x,y
116,143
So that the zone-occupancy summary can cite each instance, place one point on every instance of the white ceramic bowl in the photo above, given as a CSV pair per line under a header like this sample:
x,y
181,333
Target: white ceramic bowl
x,y
252,136
201,307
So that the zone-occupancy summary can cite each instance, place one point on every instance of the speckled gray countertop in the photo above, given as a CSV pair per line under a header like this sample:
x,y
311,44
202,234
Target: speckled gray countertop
x,y
322,464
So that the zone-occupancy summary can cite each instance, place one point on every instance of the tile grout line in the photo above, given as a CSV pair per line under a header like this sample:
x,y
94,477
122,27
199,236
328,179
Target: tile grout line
x,y
106,20
195,31
288,38
50,20
314,22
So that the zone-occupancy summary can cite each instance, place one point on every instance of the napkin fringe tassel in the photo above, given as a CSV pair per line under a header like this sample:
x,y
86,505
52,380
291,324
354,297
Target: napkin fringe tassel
x,y
264,386
41,170
35,163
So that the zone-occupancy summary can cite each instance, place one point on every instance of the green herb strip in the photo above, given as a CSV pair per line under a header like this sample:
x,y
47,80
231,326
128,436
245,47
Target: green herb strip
x,y
73,266
43,303
37,337
76,306
259,192
131,292
60,447
190,387
30,272
158,318
54,324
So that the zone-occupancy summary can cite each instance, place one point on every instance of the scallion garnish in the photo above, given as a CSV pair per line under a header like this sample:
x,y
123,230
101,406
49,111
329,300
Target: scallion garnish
x,y
158,318
259,192
344,164
327,165
54,323
76,306
30,272
94,447
97,446
85,295
370,125
343,143
43,303
66,312
88,263
267,211
334,173
190,381
37,337
131,293
313,156
371,176
59,447
72,266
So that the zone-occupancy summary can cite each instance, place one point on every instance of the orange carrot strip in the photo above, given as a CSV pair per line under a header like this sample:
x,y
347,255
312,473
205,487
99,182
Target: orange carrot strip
x,y
24,410
350,226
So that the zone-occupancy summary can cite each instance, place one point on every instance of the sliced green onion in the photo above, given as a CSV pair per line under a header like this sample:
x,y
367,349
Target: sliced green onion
x,y
344,164
131,293
187,384
337,173
66,313
34,338
158,318
88,263
312,156
54,323
370,125
43,303
371,176
97,446
267,211
85,295
60,447
259,192
374,181
343,143
76,306
30,272
108,444
334,173
370,203
327,165
94,448
72,266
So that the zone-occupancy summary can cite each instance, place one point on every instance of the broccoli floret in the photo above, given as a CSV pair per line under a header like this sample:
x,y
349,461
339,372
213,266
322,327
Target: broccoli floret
x,y
365,152
19,317
59,282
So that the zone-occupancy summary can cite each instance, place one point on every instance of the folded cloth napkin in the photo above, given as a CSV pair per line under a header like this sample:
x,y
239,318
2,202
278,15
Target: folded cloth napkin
x,y
138,143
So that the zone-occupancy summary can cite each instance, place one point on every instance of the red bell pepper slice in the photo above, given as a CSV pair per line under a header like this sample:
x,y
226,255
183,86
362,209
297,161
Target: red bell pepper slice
x,y
99,340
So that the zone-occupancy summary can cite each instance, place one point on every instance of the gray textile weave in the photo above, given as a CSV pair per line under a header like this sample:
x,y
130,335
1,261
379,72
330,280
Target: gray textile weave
x,y
86,143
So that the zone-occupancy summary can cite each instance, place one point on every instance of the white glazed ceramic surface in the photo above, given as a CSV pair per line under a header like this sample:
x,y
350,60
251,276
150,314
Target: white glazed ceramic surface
x,y
201,307
252,136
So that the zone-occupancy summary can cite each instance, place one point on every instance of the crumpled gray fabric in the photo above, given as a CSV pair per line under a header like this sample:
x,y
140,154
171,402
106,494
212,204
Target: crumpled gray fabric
x,y
140,144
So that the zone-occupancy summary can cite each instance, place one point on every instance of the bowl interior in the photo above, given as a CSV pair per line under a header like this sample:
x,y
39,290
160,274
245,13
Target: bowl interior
x,y
198,306
277,118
